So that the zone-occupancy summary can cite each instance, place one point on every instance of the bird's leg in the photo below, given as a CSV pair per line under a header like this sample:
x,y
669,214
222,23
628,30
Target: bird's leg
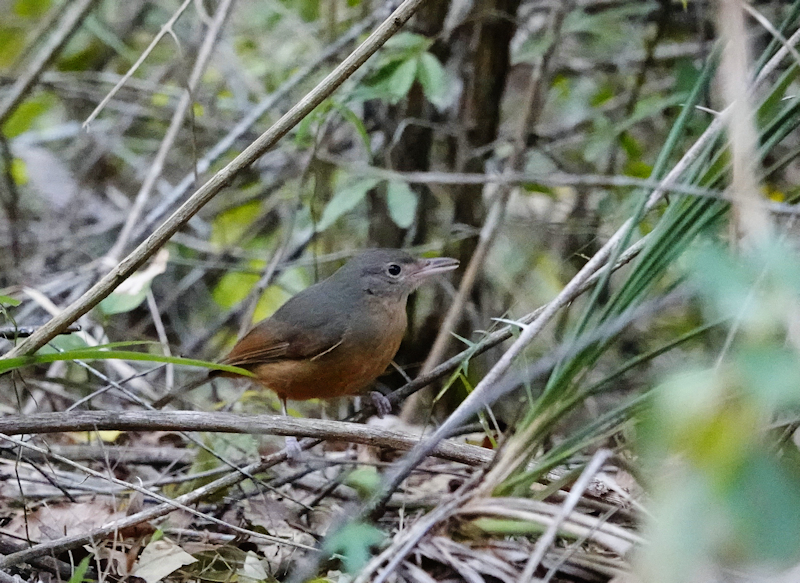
x,y
292,445
383,405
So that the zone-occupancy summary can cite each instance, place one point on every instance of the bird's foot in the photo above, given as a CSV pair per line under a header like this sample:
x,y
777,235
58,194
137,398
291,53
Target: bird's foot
x,y
382,404
293,451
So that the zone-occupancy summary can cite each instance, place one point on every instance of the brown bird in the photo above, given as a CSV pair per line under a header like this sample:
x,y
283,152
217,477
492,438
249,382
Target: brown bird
x,y
335,337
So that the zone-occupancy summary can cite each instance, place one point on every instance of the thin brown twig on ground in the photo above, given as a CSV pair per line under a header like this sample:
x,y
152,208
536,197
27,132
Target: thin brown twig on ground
x,y
49,564
575,493
144,491
72,542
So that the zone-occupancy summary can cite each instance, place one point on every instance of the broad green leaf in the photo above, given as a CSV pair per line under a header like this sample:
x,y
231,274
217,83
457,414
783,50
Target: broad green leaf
x,y
12,43
233,287
435,81
365,480
402,203
344,200
309,9
66,342
119,303
19,172
402,79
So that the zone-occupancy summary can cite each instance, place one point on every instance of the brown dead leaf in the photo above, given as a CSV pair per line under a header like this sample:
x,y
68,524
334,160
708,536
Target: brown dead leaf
x,y
52,521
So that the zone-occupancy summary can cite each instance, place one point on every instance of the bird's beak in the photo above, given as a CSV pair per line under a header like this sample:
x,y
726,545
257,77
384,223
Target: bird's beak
x,y
424,268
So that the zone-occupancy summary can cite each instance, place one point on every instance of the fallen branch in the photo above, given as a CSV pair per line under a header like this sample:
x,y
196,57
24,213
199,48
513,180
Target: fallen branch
x,y
235,423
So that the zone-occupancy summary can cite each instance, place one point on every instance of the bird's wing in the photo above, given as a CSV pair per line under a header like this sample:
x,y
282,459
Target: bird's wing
x,y
298,330
254,348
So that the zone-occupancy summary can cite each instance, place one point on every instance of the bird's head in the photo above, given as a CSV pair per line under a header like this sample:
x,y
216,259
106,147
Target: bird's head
x,y
392,272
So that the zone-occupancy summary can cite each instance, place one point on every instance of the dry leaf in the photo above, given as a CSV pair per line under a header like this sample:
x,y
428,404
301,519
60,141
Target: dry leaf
x,y
159,559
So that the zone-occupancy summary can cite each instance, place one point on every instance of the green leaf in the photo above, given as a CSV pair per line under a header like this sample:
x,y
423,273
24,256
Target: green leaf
x,y
12,42
118,303
353,543
435,81
8,301
19,172
349,116
27,113
402,203
233,287
407,41
31,8
366,481
101,353
763,503
345,199
402,79
229,227
79,574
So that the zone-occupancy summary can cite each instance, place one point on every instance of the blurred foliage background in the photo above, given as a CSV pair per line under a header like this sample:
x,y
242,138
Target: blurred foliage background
x,y
524,131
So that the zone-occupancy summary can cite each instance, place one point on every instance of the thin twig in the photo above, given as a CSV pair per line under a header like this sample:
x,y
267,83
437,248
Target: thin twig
x,y
161,332
552,179
66,28
71,542
226,143
25,331
149,493
166,29
399,550
575,493
157,165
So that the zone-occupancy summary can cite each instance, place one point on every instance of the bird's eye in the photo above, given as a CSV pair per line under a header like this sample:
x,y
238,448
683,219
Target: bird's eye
x,y
394,269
